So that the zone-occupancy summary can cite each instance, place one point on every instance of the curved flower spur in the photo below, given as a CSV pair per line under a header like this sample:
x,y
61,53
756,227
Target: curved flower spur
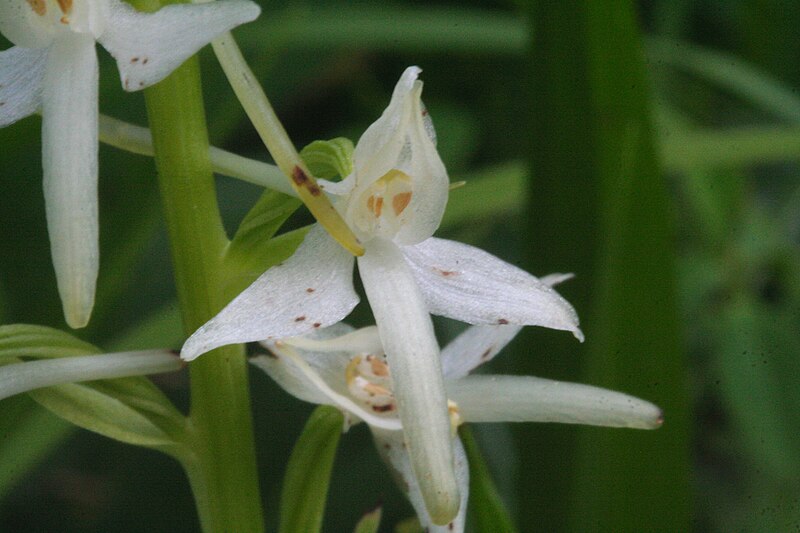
x,y
346,368
394,201
54,67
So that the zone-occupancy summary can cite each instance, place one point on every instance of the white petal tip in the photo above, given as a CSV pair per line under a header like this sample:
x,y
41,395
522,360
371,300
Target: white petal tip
x,y
445,508
656,421
189,353
77,304
578,334
410,74
78,318
194,347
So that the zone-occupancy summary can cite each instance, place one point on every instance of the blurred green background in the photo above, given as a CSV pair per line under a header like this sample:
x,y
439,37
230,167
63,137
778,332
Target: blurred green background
x,y
651,148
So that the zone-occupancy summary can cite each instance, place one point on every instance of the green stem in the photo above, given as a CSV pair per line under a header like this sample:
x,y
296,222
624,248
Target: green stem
x,y
222,471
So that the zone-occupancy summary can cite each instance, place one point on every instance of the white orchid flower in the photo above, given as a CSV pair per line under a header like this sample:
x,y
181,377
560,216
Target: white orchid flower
x,y
53,67
346,369
394,201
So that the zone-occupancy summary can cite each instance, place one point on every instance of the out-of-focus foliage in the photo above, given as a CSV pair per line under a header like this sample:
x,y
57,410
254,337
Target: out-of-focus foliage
x,y
727,130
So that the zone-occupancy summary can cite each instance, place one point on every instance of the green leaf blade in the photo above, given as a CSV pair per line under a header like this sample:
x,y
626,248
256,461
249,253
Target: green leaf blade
x,y
305,486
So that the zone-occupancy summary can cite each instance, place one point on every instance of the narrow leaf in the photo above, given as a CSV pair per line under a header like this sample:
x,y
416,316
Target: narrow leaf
x,y
486,509
329,159
253,249
599,204
89,407
370,522
25,340
758,350
305,486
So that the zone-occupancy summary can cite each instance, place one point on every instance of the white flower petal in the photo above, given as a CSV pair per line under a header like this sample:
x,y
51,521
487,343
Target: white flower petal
x,y
69,162
465,283
22,377
400,140
413,355
290,377
22,25
475,346
330,365
361,341
148,46
380,145
311,290
392,449
21,74
556,278
337,188
531,399
318,380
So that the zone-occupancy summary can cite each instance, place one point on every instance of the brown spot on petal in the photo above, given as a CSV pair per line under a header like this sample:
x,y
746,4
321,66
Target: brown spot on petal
x,y
383,408
299,318
378,206
144,61
502,322
400,202
485,355
309,290
317,324
39,7
134,60
446,273
65,5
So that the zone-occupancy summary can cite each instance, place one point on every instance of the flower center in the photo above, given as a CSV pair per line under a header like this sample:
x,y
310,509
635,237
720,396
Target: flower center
x,y
382,204
81,16
58,12
369,381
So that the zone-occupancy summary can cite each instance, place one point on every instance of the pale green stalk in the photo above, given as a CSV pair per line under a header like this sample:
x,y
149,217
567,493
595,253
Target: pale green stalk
x,y
259,110
138,140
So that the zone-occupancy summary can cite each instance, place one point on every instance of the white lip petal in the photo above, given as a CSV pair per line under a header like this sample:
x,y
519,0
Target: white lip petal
x,y
69,162
30,375
413,355
391,447
293,373
289,377
21,74
475,346
148,46
330,365
311,290
465,283
531,399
